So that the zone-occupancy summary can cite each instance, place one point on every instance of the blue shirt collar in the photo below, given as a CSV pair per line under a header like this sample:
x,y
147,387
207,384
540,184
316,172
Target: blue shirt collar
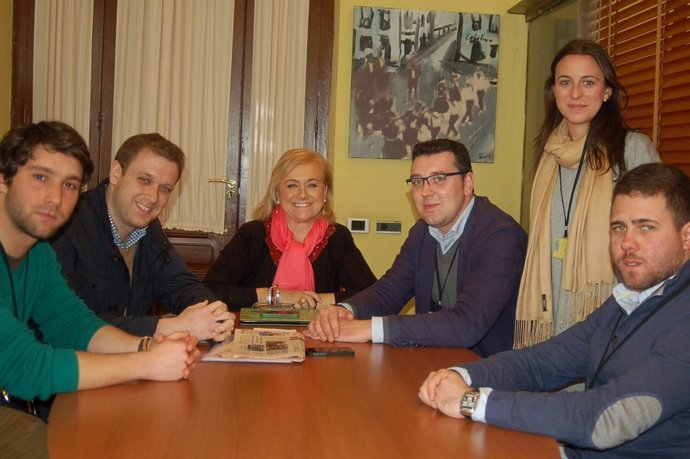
x,y
131,240
446,241
629,299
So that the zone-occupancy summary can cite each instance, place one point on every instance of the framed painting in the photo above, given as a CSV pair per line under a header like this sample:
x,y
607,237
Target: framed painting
x,y
421,75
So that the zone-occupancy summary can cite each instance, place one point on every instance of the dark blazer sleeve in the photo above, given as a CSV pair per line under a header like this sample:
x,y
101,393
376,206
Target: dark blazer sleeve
x,y
174,285
134,325
397,286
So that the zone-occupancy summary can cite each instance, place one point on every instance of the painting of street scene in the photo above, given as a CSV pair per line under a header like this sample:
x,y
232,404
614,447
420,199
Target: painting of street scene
x,y
422,75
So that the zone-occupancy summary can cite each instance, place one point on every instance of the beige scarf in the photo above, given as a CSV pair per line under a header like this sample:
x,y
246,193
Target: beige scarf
x,y
587,277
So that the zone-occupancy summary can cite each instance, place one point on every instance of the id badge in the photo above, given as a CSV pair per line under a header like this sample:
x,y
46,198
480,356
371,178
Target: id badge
x,y
561,246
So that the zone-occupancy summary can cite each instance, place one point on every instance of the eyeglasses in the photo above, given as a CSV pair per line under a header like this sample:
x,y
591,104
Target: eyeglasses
x,y
433,180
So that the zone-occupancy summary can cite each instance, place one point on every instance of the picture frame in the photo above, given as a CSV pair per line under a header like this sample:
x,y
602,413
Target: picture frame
x,y
419,75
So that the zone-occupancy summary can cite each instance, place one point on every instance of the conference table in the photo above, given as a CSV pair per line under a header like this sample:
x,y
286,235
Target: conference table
x,y
364,406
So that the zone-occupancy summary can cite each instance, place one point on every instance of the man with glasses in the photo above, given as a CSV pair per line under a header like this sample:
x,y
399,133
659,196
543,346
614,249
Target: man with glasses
x,y
462,261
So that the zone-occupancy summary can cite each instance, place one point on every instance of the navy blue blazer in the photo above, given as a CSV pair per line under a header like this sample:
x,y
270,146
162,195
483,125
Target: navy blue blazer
x,y
490,261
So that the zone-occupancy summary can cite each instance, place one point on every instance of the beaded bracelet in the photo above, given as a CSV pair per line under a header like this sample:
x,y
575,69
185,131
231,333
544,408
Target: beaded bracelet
x,y
144,344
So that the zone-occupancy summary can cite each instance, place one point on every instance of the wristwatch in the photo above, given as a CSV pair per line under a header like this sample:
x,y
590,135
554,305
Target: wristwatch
x,y
468,403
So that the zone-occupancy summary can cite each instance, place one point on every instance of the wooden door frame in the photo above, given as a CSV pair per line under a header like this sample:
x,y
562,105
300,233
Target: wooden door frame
x,y
319,74
22,62
102,87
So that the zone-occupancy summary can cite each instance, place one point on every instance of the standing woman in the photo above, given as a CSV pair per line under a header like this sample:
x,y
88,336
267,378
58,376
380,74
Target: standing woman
x,y
293,252
584,147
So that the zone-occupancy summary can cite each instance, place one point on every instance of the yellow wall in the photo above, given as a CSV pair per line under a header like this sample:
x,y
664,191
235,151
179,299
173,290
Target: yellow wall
x,y
375,189
5,63
547,34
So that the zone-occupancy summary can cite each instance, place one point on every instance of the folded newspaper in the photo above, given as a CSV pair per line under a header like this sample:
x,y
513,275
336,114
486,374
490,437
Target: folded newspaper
x,y
259,345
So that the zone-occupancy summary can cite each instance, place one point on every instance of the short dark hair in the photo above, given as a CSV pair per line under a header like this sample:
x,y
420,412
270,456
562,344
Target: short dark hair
x,y
17,146
154,142
430,147
656,178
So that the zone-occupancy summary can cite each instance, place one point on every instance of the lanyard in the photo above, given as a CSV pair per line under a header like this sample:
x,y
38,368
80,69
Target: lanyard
x,y
572,192
605,358
441,288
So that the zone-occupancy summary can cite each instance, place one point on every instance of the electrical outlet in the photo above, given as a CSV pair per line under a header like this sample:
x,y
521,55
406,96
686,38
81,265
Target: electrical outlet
x,y
390,227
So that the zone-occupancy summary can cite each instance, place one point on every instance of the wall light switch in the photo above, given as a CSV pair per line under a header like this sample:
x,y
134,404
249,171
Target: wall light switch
x,y
390,227
358,225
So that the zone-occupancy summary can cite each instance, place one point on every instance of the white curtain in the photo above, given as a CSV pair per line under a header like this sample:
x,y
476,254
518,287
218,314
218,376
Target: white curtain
x,y
172,76
62,62
278,81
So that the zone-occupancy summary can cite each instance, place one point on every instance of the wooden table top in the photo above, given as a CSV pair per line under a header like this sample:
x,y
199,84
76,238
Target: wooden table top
x,y
364,406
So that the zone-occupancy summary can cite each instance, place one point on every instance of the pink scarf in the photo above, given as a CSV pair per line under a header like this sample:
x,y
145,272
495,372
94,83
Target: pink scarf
x,y
294,268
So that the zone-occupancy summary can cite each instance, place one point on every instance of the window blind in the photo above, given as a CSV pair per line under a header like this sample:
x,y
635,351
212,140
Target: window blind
x,y
649,41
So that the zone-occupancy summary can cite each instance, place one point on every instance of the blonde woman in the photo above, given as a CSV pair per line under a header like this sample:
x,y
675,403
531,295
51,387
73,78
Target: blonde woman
x,y
293,252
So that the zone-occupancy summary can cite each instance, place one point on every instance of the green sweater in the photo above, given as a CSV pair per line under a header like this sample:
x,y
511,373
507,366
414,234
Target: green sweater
x,y
32,367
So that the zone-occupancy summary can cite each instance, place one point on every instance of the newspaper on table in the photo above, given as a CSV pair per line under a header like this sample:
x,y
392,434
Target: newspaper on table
x,y
260,345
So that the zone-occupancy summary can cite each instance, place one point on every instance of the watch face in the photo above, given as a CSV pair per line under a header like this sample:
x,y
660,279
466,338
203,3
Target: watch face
x,y
468,403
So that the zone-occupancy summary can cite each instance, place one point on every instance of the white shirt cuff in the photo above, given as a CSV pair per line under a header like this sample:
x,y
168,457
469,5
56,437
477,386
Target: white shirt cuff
x,y
464,374
479,414
346,306
377,330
